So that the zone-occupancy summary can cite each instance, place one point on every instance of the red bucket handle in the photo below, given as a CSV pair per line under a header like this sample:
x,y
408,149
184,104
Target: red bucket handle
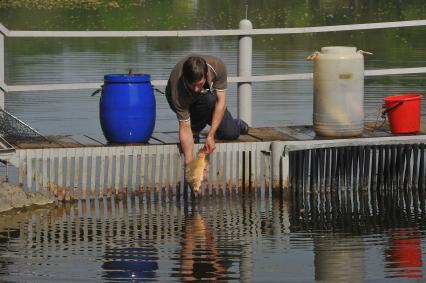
x,y
387,110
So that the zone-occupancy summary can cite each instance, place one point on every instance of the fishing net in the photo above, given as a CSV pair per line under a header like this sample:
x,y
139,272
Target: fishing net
x,y
14,130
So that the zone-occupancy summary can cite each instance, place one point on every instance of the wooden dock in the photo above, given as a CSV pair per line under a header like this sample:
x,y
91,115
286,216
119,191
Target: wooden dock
x,y
71,168
372,129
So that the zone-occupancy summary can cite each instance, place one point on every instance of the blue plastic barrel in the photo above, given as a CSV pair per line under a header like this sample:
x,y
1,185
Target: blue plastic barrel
x,y
127,108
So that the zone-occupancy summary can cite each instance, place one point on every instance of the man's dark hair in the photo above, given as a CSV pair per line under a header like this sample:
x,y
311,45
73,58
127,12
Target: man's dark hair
x,y
194,69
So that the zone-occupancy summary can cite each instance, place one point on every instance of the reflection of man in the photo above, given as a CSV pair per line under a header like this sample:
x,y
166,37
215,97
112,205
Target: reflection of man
x,y
200,258
196,92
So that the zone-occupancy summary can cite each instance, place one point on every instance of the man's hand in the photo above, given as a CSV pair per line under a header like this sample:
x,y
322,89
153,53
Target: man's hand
x,y
210,144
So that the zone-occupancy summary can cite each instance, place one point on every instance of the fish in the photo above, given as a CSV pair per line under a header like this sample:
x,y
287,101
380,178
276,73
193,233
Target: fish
x,y
196,171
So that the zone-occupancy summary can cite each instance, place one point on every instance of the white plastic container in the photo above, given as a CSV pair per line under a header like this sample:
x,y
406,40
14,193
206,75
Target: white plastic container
x,y
338,92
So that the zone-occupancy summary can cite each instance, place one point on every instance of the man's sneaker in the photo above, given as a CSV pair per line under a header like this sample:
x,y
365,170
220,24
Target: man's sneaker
x,y
244,128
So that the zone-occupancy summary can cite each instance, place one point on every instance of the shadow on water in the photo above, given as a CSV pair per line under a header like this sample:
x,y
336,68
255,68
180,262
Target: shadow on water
x,y
238,237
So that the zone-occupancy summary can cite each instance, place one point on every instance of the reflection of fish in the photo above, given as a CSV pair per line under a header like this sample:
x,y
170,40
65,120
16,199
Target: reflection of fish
x,y
196,170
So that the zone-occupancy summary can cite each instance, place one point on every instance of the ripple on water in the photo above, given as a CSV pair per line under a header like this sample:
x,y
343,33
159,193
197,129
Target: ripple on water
x,y
213,238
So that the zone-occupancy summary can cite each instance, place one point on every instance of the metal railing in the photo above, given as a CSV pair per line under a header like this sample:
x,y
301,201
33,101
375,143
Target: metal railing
x,y
244,33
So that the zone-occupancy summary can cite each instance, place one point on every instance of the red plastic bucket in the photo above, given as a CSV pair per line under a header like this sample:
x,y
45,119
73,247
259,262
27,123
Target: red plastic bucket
x,y
403,113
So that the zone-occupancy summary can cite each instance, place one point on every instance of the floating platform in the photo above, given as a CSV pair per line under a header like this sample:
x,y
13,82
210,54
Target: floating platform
x,y
372,129
265,160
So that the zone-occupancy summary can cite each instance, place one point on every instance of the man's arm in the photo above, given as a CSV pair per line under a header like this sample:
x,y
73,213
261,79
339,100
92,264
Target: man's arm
x,y
186,140
218,113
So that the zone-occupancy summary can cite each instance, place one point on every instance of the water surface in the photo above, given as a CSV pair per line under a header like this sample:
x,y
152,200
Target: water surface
x,y
243,237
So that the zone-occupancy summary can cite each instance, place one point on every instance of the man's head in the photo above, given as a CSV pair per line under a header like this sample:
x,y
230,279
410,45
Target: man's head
x,y
194,73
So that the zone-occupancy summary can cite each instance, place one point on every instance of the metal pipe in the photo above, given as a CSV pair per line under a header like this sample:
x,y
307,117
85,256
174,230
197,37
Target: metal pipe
x,y
244,69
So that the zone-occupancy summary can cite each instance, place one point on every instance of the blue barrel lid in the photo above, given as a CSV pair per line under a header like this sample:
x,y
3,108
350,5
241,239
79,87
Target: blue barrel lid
x,y
121,78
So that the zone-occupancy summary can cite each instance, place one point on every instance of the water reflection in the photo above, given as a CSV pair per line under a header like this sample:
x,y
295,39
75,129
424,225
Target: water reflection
x,y
403,254
200,257
339,258
234,237
136,263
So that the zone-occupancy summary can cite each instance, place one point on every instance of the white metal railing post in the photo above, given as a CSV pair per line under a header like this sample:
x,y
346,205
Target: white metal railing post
x,y
244,70
2,83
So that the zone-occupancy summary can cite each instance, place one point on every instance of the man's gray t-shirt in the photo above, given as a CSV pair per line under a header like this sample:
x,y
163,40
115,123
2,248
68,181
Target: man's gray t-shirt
x,y
178,95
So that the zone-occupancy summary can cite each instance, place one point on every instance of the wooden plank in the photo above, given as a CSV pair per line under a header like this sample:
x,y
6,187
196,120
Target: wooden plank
x,y
221,166
142,168
267,170
69,154
150,169
252,156
86,152
29,169
76,190
297,133
257,176
134,166
247,173
94,154
158,155
228,165
52,182
234,168
213,168
110,157
165,167
102,172
167,138
240,165
268,134
37,168
61,153
127,153
22,167
172,169
118,152
44,168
